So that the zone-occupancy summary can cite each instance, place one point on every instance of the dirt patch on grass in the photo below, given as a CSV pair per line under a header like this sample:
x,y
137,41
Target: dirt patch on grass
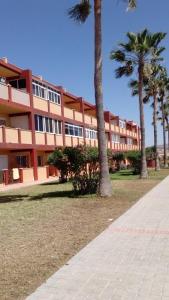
x,y
40,231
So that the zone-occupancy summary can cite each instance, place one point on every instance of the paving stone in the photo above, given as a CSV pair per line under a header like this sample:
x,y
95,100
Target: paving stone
x,y
129,260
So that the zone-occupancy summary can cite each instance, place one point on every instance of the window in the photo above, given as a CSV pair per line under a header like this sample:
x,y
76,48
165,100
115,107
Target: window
x,y
115,122
2,122
122,140
115,138
91,133
22,161
73,130
122,124
129,141
53,96
40,161
45,92
39,123
18,83
57,126
46,124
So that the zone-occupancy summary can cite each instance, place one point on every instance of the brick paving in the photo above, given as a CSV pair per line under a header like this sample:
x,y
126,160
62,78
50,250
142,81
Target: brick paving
x,y
129,260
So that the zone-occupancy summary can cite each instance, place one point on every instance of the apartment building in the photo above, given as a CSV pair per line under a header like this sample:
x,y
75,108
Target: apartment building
x,y
37,116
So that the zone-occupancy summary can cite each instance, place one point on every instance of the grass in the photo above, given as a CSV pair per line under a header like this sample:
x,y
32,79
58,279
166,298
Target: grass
x,y
128,175
41,227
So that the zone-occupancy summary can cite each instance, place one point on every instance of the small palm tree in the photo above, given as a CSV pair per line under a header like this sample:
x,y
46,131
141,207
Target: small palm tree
x,y
80,13
140,50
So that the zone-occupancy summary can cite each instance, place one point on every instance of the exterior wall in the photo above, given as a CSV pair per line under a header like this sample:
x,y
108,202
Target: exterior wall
x,y
26,137
20,97
40,138
59,140
28,175
41,104
68,113
50,139
3,91
55,109
78,116
12,135
19,122
42,173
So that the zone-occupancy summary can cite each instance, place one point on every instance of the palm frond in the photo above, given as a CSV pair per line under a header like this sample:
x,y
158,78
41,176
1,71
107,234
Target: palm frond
x,y
117,55
132,4
80,11
125,70
146,99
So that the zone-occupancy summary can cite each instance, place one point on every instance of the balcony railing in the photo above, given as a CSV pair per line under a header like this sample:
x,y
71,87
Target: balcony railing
x,y
14,95
15,136
48,139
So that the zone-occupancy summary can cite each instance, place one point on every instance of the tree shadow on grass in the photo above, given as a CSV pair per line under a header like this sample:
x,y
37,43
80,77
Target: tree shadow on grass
x,y
12,198
56,194
50,183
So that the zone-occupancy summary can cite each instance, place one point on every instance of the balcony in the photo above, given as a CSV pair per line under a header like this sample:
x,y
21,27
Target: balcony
x,y
90,120
15,136
48,139
72,141
8,93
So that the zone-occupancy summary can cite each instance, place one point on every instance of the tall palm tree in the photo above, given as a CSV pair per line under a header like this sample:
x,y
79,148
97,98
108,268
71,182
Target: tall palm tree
x,y
141,49
166,109
163,95
151,82
79,13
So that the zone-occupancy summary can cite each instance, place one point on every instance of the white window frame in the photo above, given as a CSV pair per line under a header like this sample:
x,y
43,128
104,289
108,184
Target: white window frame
x,y
73,127
90,134
116,138
56,97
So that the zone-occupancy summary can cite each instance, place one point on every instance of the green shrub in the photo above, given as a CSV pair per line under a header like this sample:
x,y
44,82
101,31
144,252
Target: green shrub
x,y
80,164
134,158
84,184
60,161
119,158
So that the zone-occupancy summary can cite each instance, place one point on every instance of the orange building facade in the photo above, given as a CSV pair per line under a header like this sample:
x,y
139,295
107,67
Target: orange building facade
x,y
36,117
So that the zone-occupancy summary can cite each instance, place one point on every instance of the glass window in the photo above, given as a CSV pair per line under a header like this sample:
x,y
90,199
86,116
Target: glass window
x,y
21,83
73,130
115,138
44,91
40,161
22,161
91,133
13,83
40,123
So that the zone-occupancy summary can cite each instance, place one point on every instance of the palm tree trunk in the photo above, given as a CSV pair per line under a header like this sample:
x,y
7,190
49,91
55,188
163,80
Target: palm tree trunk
x,y
164,133
105,188
157,165
143,173
167,122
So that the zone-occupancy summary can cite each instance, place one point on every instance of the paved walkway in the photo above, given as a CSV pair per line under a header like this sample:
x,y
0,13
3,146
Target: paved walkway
x,y
129,260
15,186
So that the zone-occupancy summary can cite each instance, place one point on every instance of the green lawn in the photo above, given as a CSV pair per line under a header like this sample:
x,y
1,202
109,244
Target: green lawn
x,y
42,226
128,175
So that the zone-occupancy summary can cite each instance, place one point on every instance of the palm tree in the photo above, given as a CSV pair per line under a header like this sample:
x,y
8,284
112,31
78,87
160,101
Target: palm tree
x,y
141,49
166,109
151,84
79,13
163,93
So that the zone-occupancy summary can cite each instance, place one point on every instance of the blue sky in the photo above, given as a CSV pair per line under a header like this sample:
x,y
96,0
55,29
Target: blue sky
x,y
37,34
